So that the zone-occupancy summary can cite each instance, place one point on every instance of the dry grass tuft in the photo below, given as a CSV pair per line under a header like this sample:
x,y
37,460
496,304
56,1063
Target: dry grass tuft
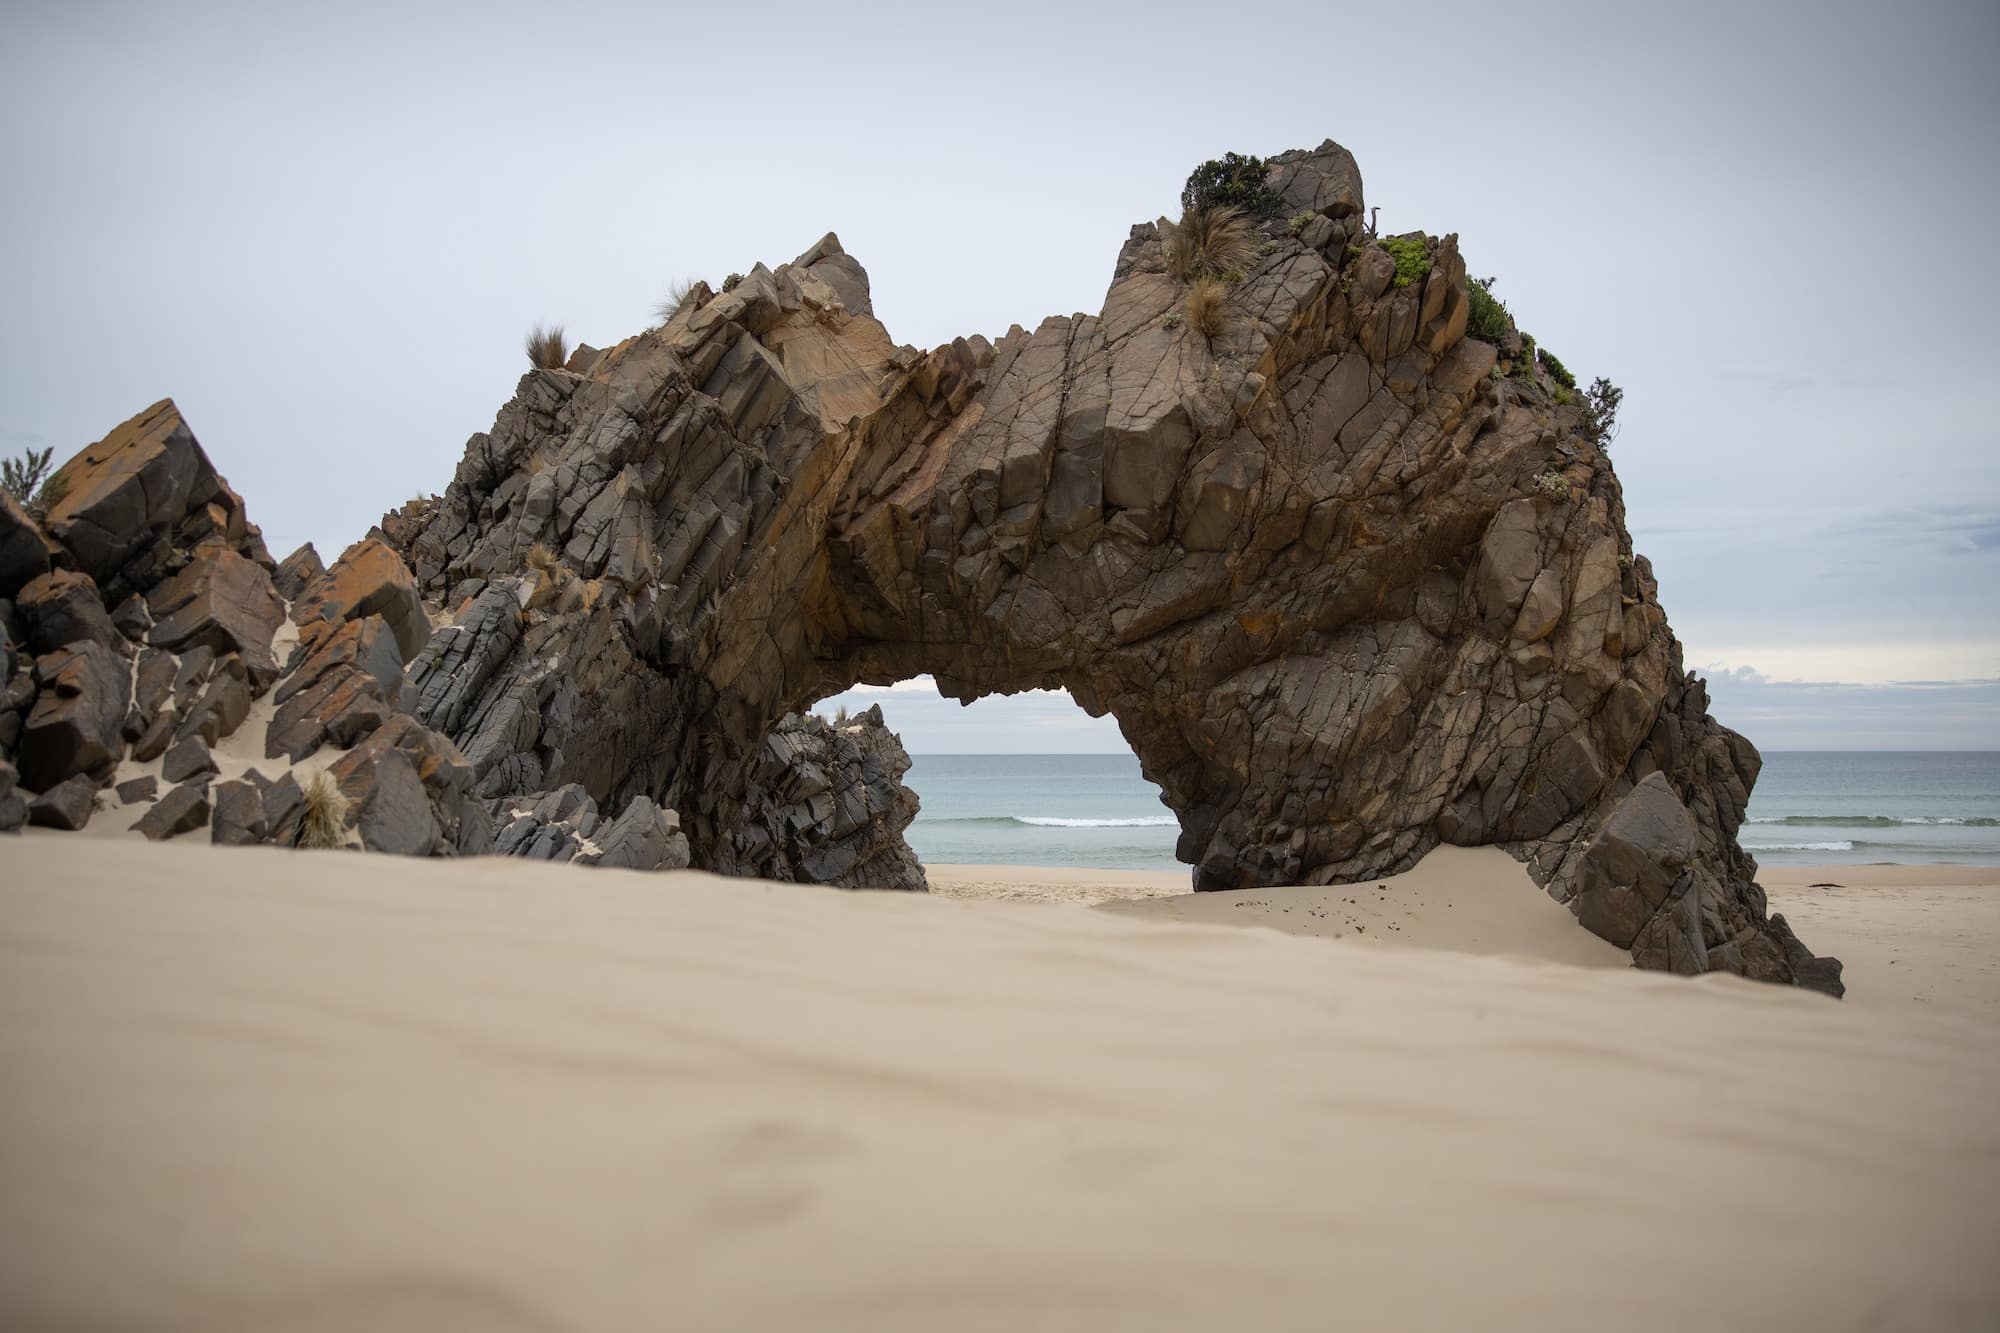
x,y
1205,296
540,556
325,821
1210,241
548,349
677,296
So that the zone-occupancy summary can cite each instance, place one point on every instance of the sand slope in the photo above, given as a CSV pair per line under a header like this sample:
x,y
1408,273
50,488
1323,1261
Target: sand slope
x,y
310,1091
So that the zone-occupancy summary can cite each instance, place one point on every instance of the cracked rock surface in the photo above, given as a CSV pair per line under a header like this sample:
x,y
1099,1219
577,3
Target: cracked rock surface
x,y
1348,593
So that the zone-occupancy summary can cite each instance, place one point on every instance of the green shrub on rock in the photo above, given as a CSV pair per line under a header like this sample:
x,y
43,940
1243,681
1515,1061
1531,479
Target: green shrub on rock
x,y
1412,256
1488,320
1557,371
1233,179
1600,411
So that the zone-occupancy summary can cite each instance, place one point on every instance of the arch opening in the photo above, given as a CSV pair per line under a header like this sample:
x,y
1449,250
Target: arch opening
x,y
1026,779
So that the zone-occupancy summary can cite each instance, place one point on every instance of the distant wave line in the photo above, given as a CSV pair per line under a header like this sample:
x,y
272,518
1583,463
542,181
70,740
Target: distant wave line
x,y
1055,821
1877,821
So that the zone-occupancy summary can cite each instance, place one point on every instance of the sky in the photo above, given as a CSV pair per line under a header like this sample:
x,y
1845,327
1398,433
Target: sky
x,y
324,230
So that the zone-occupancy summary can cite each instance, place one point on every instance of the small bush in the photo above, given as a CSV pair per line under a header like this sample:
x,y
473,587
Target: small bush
x,y
1413,259
324,823
1267,249
1205,296
1172,320
1564,397
1488,319
1209,241
1553,484
1600,411
23,476
1557,371
548,349
1300,221
729,283
1234,180
1625,562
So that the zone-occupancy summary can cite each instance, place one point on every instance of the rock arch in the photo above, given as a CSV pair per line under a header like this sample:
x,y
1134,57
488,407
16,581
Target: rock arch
x,y
1347,591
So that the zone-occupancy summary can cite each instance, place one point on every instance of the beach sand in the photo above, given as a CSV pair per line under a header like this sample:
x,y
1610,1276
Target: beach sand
x,y
257,1089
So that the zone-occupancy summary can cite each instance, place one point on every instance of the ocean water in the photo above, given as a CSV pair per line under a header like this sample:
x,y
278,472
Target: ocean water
x,y
1807,809
1842,808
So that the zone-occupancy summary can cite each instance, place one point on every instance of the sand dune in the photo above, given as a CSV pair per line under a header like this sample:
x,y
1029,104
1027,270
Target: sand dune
x,y
300,1091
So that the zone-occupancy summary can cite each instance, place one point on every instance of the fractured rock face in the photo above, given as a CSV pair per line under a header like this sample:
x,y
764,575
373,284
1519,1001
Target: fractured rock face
x,y
369,579
138,496
1306,563
78,715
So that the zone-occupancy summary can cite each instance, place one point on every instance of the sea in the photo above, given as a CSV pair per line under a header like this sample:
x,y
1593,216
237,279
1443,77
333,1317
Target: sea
x,y
1809,808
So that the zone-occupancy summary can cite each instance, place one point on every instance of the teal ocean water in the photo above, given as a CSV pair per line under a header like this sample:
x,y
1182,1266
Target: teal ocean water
x,y
1808,809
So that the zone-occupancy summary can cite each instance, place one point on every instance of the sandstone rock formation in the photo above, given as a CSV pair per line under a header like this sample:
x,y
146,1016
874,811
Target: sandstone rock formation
x,y
1351,583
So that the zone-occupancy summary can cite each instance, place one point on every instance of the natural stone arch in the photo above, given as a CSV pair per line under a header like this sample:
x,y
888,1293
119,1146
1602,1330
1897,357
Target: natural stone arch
x,y
1346,592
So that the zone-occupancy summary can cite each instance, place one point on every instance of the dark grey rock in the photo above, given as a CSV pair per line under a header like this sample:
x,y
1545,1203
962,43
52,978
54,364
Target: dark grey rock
x,y
135,790
181,810
297,570
67,805
187,759
24,557
78,719
645,837
61,608
396,814
13,808
238,813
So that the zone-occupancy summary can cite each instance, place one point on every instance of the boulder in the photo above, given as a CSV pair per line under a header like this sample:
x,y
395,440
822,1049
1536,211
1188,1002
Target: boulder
x,y
1634,862
396,810
296,571
24,557
645,837
62,607
238,813
79,715
411,790
222,705
126,496
13,809
133,618
221,601
369,579
188,759
67,805
182,810
134,790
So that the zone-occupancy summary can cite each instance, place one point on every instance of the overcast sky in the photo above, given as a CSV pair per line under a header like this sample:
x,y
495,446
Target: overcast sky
x,y
324,229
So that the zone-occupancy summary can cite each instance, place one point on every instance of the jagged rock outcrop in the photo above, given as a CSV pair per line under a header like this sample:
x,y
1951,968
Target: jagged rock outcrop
x,y
1351,582
825,804
565,825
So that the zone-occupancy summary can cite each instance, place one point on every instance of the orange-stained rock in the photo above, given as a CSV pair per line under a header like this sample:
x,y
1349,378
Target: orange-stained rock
x,y
369,579
138,495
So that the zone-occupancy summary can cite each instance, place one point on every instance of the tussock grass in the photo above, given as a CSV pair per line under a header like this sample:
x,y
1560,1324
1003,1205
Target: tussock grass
x,y
1210,241
677,296
1205,296
540,557
548,349
324,823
